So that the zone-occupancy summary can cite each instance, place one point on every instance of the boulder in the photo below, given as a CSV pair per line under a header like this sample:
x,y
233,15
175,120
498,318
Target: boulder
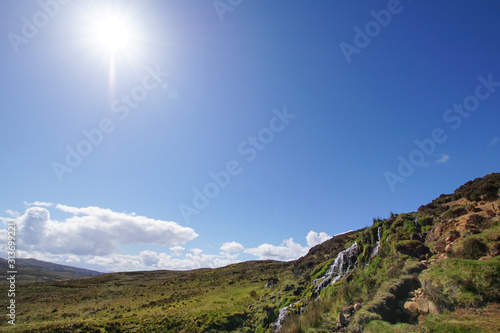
x,y
495,249
451,236
440,229
473,221
433,309
439,247
411,309
423,305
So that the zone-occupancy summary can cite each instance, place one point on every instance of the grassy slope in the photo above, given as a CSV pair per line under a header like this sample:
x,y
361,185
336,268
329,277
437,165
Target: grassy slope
x,y
207,300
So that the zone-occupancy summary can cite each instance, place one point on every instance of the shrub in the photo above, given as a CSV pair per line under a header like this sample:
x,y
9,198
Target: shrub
x,y
471,248
413,248
454,213
480,188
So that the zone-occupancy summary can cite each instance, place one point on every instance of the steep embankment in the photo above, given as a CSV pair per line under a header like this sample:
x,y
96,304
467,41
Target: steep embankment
x,y
436,269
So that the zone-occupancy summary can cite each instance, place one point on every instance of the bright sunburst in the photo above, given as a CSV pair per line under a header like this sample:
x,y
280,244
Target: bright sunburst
x,y
113,33
110,33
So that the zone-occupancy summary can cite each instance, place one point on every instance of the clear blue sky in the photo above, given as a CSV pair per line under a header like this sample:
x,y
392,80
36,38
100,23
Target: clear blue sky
x,y
310,118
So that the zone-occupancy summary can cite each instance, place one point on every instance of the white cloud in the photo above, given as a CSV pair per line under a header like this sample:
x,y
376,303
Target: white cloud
x,y
494,141
443,158
288,250
39,204
148,260
94,231
315,238
91,236
12,213
232,247
177,250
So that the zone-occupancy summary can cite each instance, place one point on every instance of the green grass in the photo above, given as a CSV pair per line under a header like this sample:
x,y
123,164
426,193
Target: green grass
x,y
462,282
225,299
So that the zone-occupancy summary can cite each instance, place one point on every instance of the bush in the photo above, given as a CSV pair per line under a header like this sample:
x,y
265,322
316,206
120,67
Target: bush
x,y
413,248
471,248
454,213
480,188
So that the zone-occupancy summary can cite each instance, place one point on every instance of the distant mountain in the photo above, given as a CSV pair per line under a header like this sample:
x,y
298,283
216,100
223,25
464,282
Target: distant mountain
x,y
33,270
433,270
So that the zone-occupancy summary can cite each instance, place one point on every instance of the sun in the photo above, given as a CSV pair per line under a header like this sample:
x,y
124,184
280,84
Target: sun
x,y
113,34
110,29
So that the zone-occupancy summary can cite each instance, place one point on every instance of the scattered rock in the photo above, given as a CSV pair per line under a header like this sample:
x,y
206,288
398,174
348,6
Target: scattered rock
x,y
494,237
433,309
341,319
357,307
448,247
453,235
439,247
440,229
347,309
495,249
486,258
473,221
472,208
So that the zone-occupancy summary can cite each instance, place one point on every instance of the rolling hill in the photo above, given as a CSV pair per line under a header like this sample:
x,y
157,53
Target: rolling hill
x,y
32,270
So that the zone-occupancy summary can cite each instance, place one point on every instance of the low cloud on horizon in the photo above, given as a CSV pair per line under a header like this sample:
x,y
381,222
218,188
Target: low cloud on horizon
x,y
91,237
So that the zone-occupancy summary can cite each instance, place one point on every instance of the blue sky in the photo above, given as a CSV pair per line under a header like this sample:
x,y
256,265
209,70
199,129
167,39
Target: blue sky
x,y
305,113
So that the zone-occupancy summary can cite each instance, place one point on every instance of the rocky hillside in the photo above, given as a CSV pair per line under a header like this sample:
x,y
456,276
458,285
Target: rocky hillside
x,y
433,270
437,269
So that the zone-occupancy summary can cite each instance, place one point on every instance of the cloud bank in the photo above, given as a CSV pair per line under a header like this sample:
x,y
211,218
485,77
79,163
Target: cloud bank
x,y
94,231
93,237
